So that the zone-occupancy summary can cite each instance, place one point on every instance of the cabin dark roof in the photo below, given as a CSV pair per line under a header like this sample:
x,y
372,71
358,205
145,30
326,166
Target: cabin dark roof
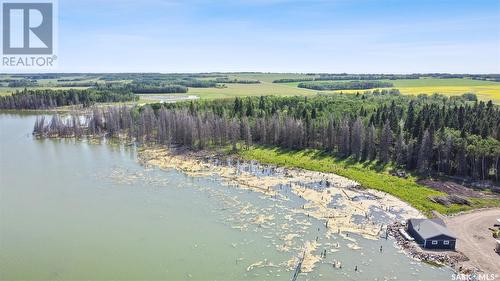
x,y
429,228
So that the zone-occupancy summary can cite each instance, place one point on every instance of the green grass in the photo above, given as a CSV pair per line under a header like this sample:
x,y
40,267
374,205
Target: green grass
x,y
369,175
243,90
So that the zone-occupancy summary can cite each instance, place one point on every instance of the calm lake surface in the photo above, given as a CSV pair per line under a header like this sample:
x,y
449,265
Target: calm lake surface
x,y
74,210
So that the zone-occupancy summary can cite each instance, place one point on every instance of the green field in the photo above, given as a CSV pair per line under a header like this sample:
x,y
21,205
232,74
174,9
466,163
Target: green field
x,y
240,90
485,90
369,175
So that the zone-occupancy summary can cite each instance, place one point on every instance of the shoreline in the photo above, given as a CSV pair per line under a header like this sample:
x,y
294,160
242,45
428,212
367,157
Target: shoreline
x,y
332,199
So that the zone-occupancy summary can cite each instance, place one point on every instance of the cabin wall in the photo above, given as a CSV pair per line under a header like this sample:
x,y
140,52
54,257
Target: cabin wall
x,y
440,244
428,243
415,234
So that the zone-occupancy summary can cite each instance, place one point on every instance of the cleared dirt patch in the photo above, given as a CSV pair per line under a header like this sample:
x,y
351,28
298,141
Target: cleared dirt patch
x,y
475,240
453,188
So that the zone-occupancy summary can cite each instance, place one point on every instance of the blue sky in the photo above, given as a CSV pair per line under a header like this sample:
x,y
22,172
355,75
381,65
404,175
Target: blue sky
x,y
279,36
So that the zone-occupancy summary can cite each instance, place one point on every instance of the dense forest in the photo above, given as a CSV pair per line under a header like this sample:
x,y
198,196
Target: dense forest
x,y
425,134
350,85
45,99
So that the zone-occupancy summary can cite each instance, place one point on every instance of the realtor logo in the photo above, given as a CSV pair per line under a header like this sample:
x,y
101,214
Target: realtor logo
x,y
27,28
29,35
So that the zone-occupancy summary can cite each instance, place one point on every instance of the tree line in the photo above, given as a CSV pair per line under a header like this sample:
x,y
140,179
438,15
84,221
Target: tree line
x,y
46,99
195,83
77,84
366,76
227,80
351,85
22,83
426,134
291,80
345,76
147,89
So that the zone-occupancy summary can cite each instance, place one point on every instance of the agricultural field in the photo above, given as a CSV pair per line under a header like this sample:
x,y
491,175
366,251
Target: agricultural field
x,y
241,90
484,90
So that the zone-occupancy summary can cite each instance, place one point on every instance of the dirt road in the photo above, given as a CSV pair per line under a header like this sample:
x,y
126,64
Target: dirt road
x,y
475,239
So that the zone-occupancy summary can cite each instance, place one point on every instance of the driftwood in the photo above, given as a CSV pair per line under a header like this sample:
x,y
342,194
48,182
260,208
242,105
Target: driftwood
x,y
450,199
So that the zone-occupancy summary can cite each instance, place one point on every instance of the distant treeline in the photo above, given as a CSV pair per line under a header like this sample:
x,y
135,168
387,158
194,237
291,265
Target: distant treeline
x,y
77,84
156,77
291,80
46,99
345,76
427,134
142,77
141,88
494,78
368,77
38,76
491,77
72,79
350,85
236,81
194,83
146,89
22,83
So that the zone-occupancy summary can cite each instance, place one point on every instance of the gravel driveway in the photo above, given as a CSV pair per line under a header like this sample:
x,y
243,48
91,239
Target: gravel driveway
x,y
475,240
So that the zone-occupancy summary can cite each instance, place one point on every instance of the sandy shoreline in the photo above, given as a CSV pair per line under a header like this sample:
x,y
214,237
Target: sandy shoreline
x,y
330,198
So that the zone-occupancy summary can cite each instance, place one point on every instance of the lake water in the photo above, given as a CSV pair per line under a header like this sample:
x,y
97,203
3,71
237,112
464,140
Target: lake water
x,y
74,210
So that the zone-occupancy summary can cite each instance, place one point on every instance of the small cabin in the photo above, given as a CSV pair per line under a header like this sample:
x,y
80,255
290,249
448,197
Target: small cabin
x,y
431,234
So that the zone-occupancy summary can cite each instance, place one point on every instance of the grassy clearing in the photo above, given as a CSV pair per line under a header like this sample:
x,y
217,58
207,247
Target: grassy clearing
x,y
243,90
369,175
